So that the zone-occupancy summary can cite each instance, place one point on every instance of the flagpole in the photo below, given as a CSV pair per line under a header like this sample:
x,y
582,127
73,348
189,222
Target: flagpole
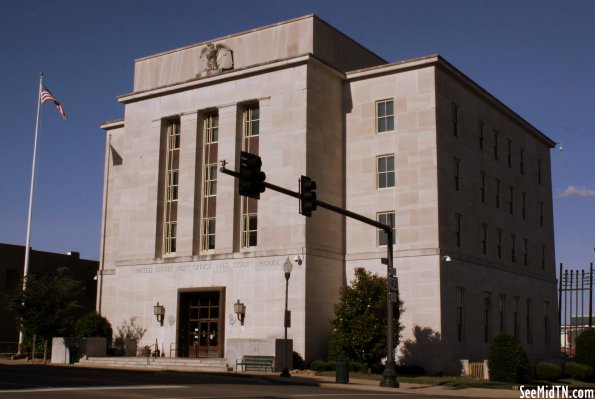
x,y
31,194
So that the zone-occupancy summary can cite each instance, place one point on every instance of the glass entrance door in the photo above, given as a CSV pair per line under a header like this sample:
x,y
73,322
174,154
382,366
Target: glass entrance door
x,y
201,324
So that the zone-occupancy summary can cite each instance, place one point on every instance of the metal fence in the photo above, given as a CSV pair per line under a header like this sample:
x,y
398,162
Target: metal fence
x,y
575,296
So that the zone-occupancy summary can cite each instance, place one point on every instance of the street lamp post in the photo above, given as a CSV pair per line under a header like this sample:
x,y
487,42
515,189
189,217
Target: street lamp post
x,y
287,269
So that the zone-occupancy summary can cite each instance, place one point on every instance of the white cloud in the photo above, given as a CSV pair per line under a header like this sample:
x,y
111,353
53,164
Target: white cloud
x,y
572,191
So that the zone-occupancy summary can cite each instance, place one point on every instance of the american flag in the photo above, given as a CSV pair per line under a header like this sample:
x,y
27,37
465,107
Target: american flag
x,y
47,95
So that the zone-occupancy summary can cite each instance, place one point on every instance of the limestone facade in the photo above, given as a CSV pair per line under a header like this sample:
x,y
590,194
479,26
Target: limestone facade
x,y
317,96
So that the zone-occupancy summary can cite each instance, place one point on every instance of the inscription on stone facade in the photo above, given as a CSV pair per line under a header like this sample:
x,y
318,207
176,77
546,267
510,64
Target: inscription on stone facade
x,y
218,267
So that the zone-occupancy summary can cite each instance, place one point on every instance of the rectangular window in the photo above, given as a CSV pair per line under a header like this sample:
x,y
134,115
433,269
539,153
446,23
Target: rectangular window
x,y
546,322
251,121
482,186
385,171
524,205
170,199
541,213
212,129
484,238
496,135
499,247
515,317
208,234
460,314
529,322
210,180
455,119
522,161
502,312
487,305
543,257
539,165
511,200
513,248
526,252
385,116
457,173
458,227
509,153
387,218
497,194
249,230
481,134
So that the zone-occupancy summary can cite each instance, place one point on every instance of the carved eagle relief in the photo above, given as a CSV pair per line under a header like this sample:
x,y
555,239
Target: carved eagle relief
x,y
213,59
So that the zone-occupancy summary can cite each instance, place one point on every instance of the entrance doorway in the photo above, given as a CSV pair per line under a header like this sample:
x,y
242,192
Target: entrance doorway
x,y
201,323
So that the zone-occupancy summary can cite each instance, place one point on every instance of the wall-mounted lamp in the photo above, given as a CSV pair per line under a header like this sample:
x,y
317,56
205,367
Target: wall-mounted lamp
x,y
240,310
298,259
446,258
159,312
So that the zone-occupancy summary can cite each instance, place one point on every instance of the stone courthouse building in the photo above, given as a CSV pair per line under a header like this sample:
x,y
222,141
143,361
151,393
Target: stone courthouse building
x,y
464,179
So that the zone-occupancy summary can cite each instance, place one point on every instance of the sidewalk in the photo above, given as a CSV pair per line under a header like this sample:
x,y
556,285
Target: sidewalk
x,y
416,389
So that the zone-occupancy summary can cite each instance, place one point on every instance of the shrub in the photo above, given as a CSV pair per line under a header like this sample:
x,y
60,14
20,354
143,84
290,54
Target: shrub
x,y
507,360
585,347
410,370
331,365
318,365
93,325
548,371
578,371
358,367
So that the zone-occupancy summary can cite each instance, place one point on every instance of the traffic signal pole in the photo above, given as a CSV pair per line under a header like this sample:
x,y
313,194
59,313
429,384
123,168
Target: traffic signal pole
x,y
389,376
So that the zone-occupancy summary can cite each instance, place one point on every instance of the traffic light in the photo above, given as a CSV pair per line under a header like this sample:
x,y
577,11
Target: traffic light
x,y
307,196
251,178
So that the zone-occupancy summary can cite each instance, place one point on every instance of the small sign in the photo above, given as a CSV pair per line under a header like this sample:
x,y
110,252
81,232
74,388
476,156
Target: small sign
x,y
394,284
288,318
393,297
392,271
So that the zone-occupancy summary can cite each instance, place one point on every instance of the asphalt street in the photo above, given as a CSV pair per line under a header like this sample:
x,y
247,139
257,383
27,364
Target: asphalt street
x,y
53,382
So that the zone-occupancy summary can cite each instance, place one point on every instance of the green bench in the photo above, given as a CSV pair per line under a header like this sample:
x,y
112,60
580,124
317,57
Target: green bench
x,y
255,362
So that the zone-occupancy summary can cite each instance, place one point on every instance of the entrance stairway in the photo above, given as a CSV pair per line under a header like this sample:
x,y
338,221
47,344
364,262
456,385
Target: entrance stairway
x,y
160,363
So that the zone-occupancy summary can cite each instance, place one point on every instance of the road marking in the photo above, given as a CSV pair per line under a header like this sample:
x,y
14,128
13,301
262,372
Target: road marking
x,y
49,389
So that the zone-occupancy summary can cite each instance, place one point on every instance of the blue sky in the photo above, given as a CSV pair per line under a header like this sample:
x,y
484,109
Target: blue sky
x,y
538,57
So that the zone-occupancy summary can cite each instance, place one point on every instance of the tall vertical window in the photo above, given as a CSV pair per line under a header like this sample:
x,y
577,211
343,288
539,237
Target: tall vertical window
x,y
385,171
250,143
460,314
458,227
487,312
511,199
498,193
484,238
482,186
522,161
509,152
524,205
546,322
457,173
170,201
543,257
502,313
385,116
515,317
513,248
541,213
209,179
539,171
496,149
454,119
387,218
529,321
480,133
499,246
525,252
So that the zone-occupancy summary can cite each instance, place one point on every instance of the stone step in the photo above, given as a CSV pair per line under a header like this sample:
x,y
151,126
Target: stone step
x,y
203,364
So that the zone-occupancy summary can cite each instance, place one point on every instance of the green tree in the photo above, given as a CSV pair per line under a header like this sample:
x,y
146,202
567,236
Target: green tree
x,y
47,307
359,327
